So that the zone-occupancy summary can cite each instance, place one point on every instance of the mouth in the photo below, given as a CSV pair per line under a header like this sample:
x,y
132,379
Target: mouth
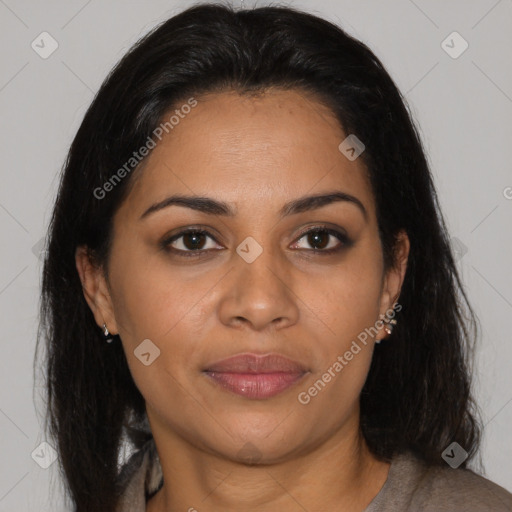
x,y
256,377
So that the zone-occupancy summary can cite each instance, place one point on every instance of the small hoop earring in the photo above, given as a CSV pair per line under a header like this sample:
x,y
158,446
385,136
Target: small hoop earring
x,y
106,334
390,324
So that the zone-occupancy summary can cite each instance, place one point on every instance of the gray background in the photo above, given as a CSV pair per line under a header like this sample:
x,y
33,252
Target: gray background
x,y
463,106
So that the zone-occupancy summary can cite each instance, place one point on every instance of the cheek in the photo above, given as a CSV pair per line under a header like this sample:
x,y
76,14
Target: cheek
x,y
348,303
150,297
351,295
166,306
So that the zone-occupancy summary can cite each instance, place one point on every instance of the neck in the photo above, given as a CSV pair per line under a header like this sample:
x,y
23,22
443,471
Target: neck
x,y
339,474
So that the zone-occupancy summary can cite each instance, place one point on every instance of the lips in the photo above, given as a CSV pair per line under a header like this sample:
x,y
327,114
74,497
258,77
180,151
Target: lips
x,y
255,376
253,363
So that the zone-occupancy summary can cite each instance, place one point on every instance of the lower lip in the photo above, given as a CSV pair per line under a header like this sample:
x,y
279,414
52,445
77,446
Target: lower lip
x,y
256,386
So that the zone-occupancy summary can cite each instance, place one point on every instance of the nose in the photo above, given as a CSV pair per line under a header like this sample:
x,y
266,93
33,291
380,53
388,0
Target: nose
x,y
259,294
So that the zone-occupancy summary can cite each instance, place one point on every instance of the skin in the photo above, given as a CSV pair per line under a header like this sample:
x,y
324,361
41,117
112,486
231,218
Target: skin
x,y
255,153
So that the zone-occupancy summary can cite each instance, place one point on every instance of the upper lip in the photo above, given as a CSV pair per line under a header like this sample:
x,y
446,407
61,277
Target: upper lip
x,y
254,363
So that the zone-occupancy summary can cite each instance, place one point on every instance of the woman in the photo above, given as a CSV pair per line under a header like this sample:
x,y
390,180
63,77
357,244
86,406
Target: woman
x,y
249,283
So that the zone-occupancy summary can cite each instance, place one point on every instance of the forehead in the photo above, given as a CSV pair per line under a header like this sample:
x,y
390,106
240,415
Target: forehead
x,y
250,151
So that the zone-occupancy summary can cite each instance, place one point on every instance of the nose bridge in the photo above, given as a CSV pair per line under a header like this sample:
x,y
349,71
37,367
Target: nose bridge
x,y
260,286
260,265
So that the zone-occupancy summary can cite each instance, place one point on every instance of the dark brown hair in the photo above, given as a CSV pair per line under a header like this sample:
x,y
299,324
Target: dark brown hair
x,y
417,394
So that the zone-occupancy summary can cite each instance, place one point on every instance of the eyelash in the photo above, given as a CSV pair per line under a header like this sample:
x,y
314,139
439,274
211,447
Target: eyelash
x,y
345,241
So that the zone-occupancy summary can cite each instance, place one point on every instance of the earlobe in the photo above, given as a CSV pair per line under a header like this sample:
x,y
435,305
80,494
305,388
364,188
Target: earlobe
x,y
95,289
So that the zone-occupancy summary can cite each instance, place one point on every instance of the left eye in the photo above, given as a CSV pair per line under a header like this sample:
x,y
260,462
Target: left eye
x,y
319,237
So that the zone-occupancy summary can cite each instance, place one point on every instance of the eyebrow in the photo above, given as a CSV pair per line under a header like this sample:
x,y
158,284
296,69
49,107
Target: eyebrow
x,y
214,207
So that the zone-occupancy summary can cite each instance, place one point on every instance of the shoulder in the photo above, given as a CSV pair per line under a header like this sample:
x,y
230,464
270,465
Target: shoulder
x,y
461,488
413,485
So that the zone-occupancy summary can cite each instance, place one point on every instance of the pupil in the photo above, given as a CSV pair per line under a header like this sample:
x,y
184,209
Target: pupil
x,y
315,237
193,238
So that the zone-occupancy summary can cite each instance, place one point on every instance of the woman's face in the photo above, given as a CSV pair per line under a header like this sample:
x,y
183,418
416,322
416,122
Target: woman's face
x,y
254,283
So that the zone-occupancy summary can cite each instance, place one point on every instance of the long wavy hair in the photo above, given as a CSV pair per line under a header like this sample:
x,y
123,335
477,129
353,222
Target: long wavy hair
x,y
418,392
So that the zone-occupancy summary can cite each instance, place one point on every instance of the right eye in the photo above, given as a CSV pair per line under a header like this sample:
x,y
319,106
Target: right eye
x,y
192,243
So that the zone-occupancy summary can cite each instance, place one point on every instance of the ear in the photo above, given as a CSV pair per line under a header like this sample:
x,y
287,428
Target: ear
x,y
95,288
394,278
